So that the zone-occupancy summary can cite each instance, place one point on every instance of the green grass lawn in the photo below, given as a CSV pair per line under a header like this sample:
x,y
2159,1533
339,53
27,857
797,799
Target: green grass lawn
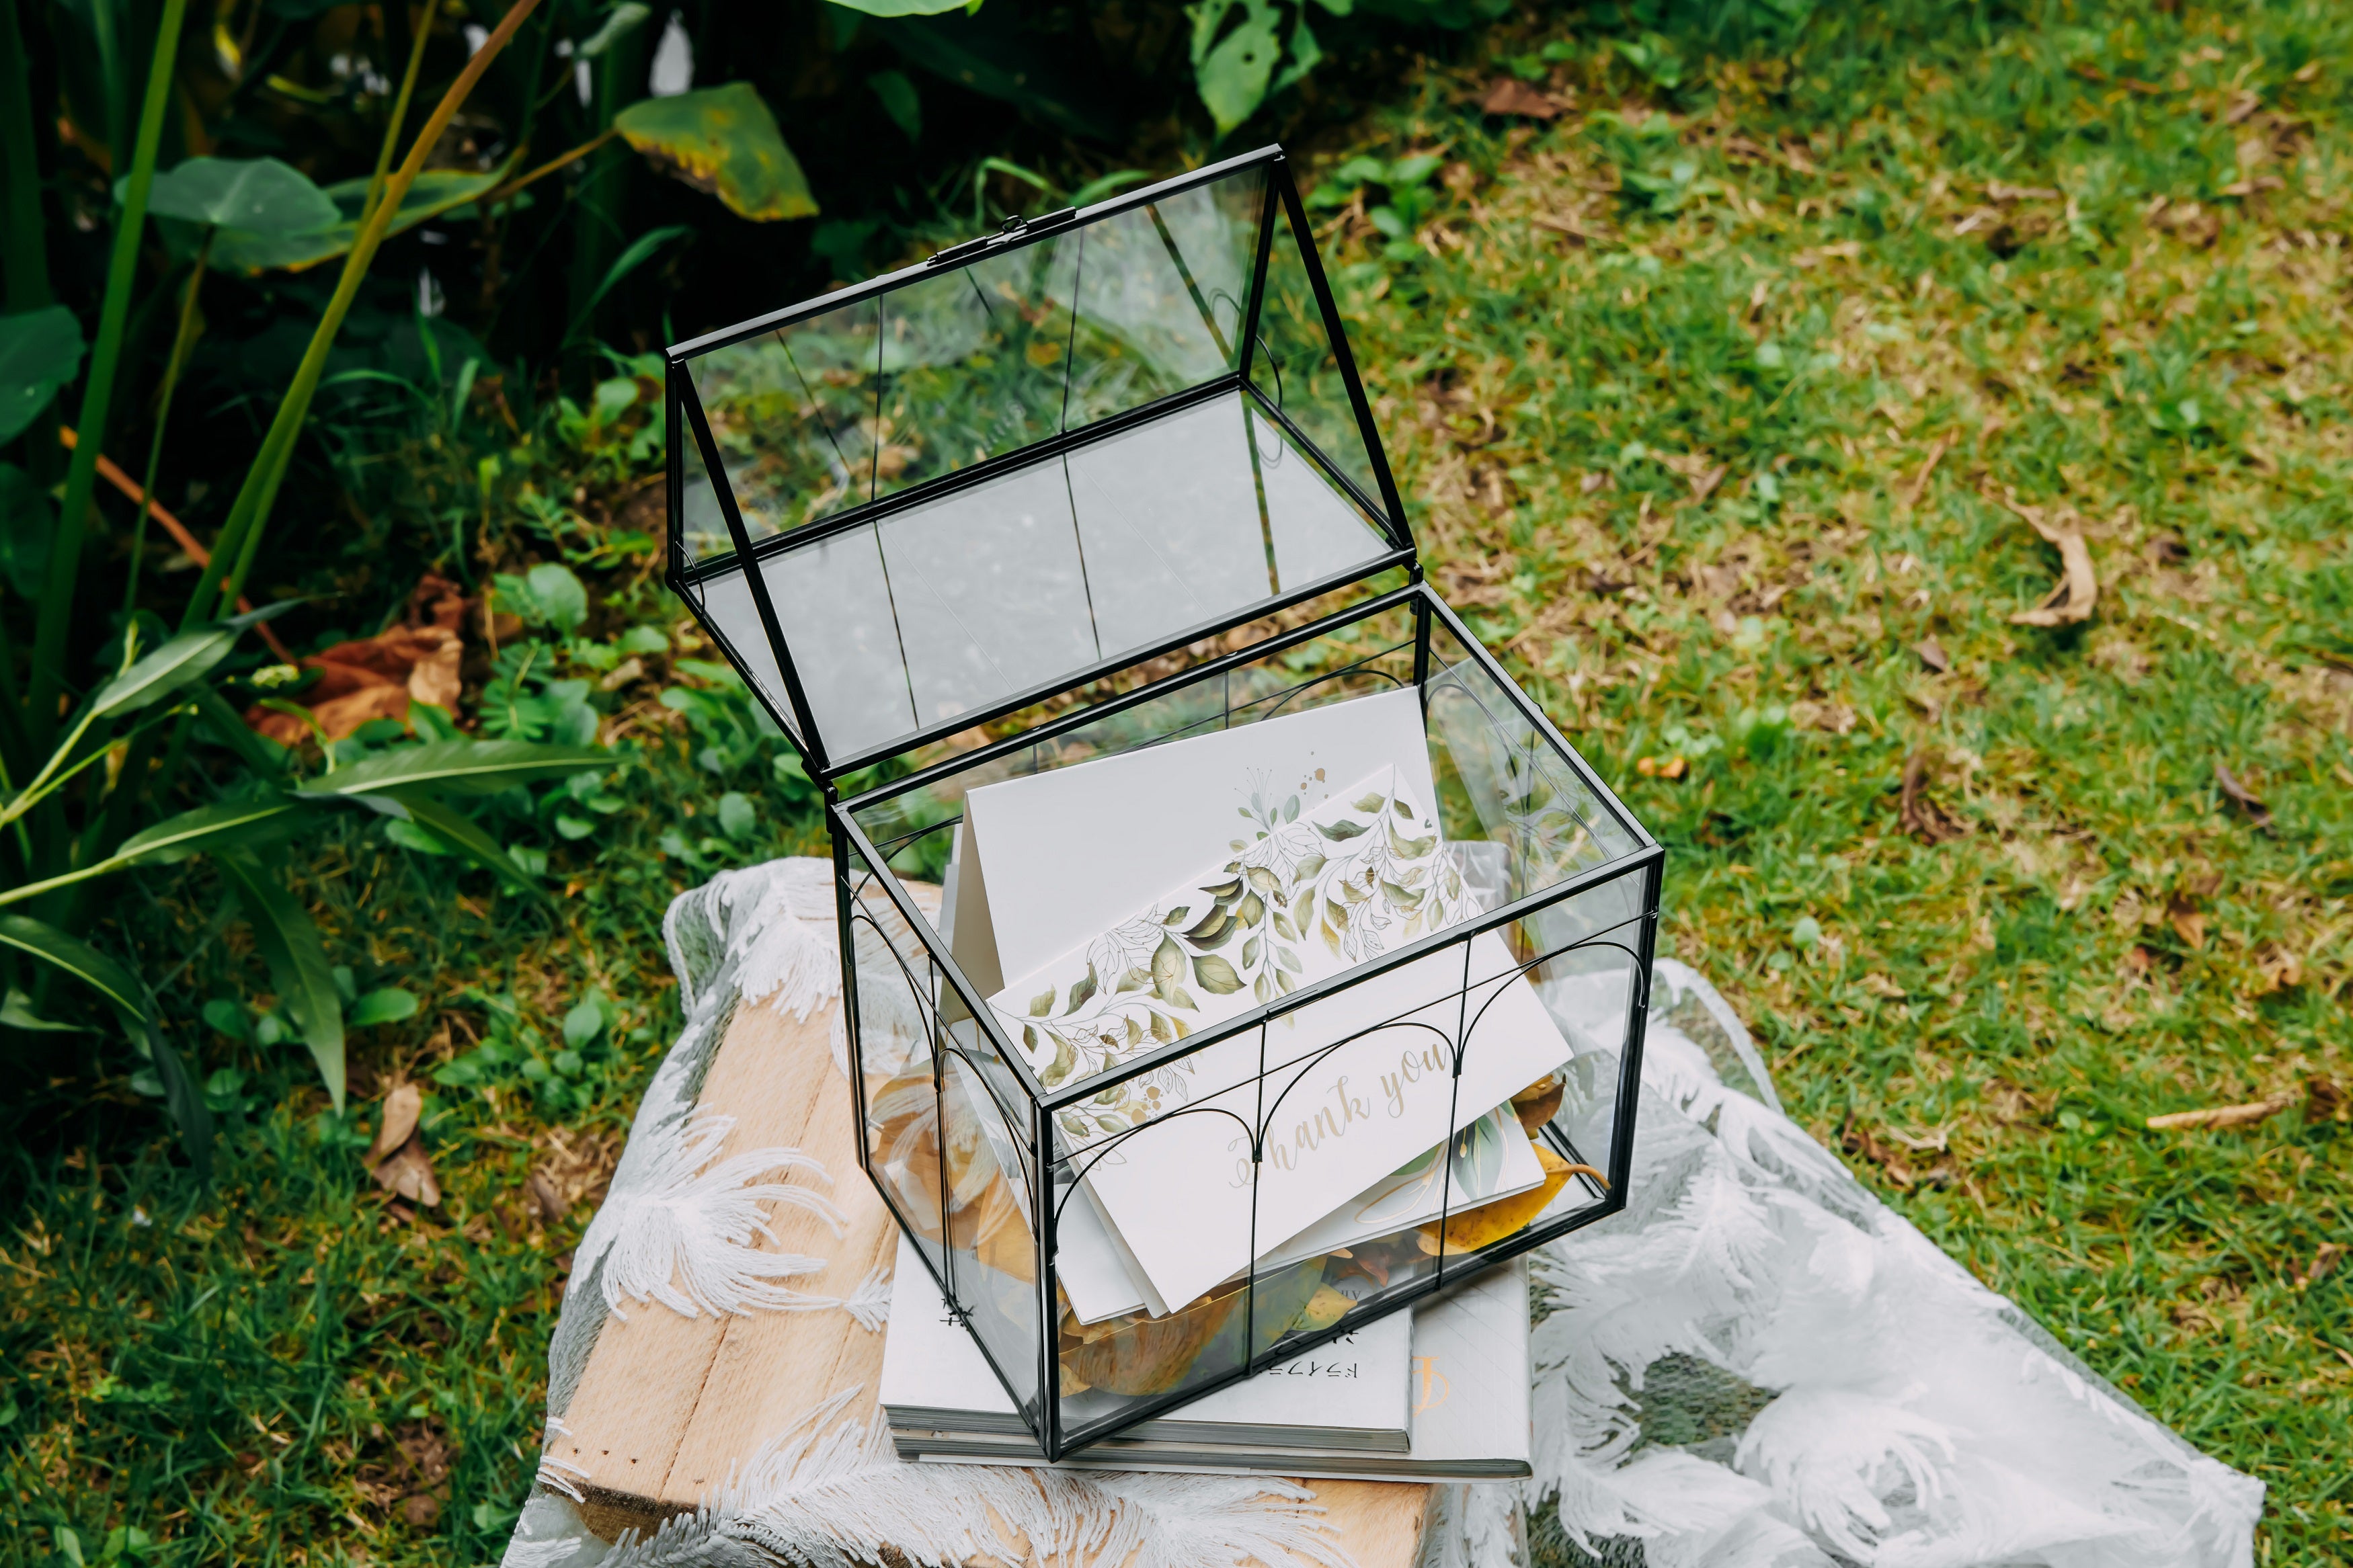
x,y
1712,396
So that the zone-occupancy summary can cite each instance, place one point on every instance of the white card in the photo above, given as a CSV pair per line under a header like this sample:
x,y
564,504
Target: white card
x,y
1063,854
1305,893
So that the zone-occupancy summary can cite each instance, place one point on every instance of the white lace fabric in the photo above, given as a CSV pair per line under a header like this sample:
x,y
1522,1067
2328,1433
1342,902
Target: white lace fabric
x,y
1756,1364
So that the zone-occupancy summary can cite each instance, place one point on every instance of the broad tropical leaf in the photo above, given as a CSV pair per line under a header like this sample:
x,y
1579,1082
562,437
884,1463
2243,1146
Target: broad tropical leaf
x,y
77,958
17,1013
463,767
436,191
233,824
289,944
40,350
458,834
724,141
257,196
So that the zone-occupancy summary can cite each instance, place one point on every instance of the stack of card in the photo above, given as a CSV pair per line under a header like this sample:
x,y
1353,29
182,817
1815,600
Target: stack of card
x,y
1119,905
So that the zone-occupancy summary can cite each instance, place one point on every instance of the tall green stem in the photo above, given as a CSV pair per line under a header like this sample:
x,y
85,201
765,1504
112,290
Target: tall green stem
x,y
24,238
181,339
98,393
399,110
241,535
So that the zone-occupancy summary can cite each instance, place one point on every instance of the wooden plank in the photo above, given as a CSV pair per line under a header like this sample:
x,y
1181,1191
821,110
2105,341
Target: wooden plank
x,y
670,1407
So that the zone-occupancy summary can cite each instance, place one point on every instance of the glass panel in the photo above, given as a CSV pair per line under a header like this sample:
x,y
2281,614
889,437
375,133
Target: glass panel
x,y
1160,296
1296,370
897,1060
973,361
993,1258
702,527
1024,579
793,413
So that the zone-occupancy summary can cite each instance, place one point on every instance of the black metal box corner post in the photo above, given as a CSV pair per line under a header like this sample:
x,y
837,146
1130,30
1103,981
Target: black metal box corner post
x,y
1105,481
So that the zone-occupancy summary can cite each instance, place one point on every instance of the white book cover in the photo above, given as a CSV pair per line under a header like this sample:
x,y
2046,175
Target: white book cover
x,y
1467,1397
1353,1392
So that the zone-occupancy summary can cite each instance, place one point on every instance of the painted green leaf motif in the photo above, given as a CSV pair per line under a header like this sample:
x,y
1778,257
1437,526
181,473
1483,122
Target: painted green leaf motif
x,y
1029,1039
1264,881
1082,990
1135,1031
1043,1004
1065,1059
1402,897
1207,932
1308,871
722,140
1167,964
1411,848
1285,978
1251,910
1261,989
1289,931
1287,959
1161,1030
1291,809
1249,952
1176,916
1218,977
1134,980
1226,891
1372,802
40,350
1178,996
1401,808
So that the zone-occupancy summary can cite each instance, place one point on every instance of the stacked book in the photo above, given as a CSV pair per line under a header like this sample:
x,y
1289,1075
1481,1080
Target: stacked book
x,y
1114,906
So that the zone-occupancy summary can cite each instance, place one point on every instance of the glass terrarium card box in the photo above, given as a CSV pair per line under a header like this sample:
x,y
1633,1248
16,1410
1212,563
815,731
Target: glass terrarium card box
x,y
1232,954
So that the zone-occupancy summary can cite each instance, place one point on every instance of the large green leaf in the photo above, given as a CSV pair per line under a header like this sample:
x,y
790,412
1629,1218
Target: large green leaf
x,y
181,1097
458,832
1233,72
721,141
183,659
229,825
435,191
255,196
40,350
993,54
465,767
77,958
289,943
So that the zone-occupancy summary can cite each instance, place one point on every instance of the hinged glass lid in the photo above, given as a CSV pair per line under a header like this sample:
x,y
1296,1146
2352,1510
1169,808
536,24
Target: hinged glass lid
x,y
1026,463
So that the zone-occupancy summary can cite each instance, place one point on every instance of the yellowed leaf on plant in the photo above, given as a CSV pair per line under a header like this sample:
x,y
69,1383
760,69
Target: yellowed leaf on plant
x,y
721,141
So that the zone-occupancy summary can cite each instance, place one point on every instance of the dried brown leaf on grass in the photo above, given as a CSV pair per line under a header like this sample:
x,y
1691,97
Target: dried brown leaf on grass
x,y
1932,654
379,677
1510,95
402,1107
409,1173
1919,485
2245,798
397,1161
2221,1116
2078,589
2323,1260
1921,815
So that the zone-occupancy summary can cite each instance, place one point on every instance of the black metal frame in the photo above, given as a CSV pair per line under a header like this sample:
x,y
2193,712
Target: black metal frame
x,y
1032,1124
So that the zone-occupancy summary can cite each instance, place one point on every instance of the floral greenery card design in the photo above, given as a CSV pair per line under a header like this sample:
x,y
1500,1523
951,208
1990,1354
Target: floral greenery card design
x,y
1300,899
1304,894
